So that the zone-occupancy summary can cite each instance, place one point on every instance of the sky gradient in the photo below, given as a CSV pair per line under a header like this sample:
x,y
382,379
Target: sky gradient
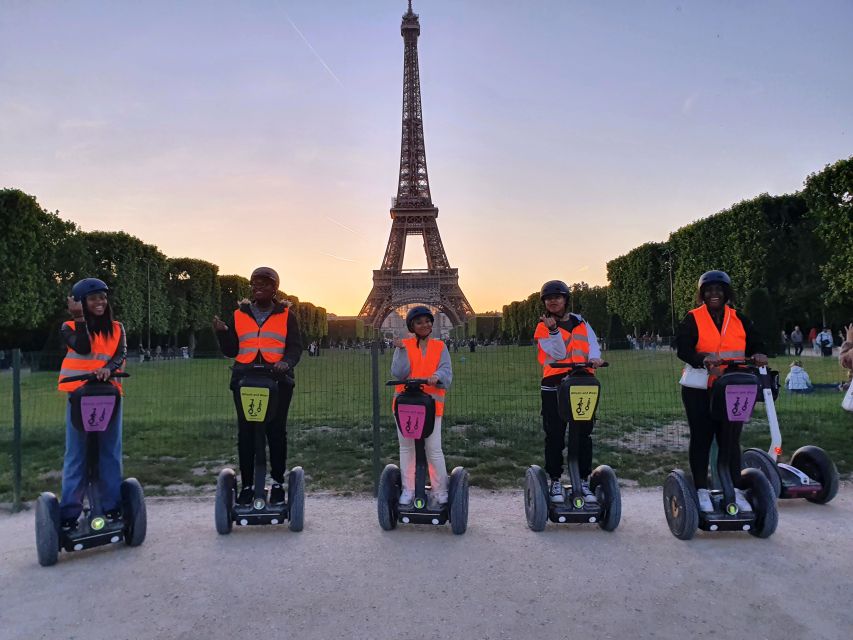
x,y
559,134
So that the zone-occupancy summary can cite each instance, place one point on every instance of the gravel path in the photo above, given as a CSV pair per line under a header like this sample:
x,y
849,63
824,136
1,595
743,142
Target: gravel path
x,y
343,577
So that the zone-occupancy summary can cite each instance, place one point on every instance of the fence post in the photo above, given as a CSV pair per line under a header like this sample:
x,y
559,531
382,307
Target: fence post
x,y
374,378
16,422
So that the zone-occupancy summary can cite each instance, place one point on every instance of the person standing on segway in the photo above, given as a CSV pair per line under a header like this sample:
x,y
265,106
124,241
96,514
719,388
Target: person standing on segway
x,y
562,336
95,344
423,357
264,331
708,335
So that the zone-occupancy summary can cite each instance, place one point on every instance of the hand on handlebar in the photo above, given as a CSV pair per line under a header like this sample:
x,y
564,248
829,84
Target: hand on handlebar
x,y
596,362
281,366
432,380
102,374
759,359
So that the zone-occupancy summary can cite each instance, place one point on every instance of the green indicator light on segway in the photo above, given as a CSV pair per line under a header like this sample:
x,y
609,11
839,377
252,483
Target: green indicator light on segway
x,y
98,523
578,503
419,503
732,509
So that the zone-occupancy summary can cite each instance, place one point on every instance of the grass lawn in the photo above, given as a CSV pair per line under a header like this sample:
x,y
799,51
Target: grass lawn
x,y
179,426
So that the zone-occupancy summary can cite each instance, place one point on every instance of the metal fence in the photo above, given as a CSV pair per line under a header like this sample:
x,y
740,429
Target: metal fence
x,y
179,424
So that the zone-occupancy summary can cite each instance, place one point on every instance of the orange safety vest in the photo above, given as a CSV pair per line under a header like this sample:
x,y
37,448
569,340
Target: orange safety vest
x,y
577,348
269,340
423,366
728,343
103,350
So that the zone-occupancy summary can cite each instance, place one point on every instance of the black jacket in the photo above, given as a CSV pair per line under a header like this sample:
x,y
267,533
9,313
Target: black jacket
x,y
293,344
687,336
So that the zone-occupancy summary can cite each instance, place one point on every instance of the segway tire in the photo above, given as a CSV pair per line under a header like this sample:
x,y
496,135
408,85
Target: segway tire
x,y
134,515
296,499
224,508
761,460
760,496
47,529
535,499
814,462
679,505
605,485
459,501
388,497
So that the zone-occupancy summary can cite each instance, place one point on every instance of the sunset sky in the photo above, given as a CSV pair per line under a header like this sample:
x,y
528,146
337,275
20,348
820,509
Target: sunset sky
x,y
559,134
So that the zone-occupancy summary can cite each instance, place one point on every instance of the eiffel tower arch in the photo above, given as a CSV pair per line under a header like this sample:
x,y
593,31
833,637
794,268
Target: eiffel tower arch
x,y
414,214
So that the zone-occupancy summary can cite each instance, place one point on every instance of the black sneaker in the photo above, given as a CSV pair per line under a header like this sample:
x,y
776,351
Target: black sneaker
x,y
113,515
69,524
276,493
246,496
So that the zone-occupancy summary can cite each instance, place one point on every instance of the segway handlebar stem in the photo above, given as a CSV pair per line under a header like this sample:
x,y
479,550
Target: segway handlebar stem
x,y
88,377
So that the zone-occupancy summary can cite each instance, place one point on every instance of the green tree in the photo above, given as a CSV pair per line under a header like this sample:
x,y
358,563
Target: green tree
x,y
758,306
829,195
194,294
232,289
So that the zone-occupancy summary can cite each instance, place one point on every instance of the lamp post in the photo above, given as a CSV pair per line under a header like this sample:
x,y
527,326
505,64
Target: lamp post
x,y
148,279
668,253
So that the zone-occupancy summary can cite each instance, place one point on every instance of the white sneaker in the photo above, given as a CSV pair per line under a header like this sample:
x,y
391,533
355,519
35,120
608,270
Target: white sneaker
x,y
407,498
557,492
437,501
742,502
705,504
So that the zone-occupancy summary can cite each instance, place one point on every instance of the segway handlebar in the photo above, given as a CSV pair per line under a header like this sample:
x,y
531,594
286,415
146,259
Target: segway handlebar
x,y
412,381
267,369
88,377
577,365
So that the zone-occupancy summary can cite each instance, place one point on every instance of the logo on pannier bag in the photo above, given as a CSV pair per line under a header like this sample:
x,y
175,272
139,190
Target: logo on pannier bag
x,y
583,400
255,402
412,418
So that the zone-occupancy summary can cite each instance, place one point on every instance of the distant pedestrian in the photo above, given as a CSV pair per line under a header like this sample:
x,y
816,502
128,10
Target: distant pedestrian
x,y
824,341
797,340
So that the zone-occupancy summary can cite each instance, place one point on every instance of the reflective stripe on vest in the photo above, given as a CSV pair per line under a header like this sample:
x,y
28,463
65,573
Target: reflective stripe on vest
x,y
577,348
424,366
269,340
103,350
728,343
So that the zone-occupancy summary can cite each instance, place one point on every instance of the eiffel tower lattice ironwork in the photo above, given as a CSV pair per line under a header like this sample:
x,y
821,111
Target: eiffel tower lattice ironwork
x,y
413,214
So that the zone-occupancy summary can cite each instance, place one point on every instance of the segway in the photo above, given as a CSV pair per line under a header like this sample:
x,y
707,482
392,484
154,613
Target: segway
x,y
811,473
577,401
94,407
733,398
414,411
259,401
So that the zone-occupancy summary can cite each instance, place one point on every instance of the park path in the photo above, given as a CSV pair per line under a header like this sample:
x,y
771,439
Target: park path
x,y
343,577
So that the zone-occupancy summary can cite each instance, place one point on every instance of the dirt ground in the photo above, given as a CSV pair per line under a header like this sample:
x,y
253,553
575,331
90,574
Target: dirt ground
x,y
343,577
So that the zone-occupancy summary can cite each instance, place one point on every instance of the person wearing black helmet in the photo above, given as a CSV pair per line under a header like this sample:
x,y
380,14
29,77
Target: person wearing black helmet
x,y
95,343
263,331
562,336
709,334
423,357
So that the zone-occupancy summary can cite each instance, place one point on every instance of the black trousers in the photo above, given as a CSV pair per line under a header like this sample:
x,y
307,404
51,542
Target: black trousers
x,y
703,431
276,438
798,348
555,439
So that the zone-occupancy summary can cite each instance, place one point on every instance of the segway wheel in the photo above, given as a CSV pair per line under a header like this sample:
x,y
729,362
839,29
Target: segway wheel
x,y
535,499
388,497
224,508
760,496
761,460
47,529
459,501
296,499
605,486
135,516
814,462
679,505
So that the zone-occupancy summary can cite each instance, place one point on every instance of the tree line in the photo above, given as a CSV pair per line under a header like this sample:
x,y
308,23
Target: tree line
x,y
172,300
790,258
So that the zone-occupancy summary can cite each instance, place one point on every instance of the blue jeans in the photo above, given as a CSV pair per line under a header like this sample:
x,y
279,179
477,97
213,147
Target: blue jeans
x,y
74,480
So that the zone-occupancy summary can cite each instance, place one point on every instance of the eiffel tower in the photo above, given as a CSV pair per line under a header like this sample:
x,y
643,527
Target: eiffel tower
x,y
413,214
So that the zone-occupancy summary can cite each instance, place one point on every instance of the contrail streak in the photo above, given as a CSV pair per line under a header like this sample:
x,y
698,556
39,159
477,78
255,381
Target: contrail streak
x,y
314,51
343,226
331,255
